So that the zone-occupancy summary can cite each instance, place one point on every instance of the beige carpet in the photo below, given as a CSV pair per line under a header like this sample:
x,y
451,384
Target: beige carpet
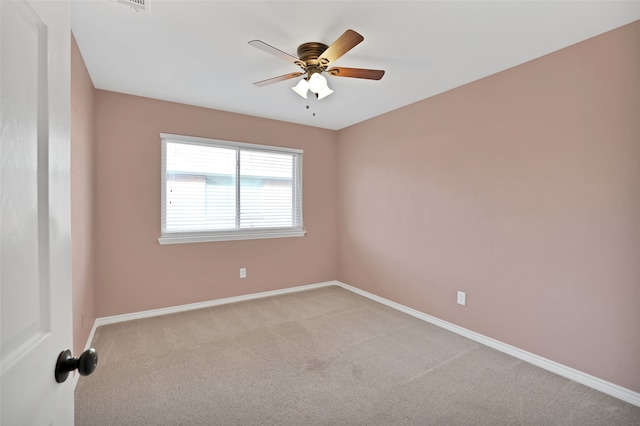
x,y
320,357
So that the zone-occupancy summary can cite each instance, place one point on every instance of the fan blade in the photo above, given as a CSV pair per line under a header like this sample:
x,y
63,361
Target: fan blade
x,y
277,79
342,45
356,73
276,52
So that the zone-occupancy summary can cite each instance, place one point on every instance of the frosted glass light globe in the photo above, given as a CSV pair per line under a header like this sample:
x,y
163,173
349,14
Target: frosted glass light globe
x,y
301,88
317,83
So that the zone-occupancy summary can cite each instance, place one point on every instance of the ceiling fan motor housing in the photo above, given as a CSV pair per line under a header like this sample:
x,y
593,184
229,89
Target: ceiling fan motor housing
x,y
309,55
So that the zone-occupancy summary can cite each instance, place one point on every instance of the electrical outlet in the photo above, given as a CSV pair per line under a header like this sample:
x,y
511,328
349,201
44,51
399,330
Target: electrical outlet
x,y
462,298
243,272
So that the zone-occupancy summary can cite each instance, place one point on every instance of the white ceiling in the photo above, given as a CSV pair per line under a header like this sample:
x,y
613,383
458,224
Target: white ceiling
x,y
196,52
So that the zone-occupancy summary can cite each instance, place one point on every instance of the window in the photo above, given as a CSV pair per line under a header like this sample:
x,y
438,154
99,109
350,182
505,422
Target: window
x,y
216,190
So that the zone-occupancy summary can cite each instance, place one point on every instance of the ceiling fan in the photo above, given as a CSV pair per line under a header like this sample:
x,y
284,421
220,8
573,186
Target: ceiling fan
x,y
314,58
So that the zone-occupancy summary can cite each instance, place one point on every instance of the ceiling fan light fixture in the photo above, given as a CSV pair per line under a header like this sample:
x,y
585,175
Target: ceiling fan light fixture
x,y
324,92
301,88
317,83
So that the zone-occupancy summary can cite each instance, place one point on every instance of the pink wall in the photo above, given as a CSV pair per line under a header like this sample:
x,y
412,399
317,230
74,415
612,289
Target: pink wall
x,y
134,272
82,215
522,189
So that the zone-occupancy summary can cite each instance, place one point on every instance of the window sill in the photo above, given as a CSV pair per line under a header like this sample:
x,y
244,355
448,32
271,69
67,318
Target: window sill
x,y
183,238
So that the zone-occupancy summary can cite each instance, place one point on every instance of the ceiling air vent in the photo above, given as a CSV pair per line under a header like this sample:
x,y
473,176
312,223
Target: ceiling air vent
x,y
138,5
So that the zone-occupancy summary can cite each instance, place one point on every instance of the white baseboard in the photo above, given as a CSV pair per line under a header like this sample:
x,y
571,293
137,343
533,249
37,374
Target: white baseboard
x,y
199,305
593,382
76,375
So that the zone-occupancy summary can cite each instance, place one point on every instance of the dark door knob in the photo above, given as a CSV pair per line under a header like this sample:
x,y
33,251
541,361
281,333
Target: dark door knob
x,y
85,364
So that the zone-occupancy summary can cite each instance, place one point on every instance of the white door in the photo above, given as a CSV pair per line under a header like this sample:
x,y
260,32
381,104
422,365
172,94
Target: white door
x,y
35,253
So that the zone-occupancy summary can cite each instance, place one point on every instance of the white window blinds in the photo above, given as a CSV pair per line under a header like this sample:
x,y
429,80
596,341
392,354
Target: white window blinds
x,y
220,190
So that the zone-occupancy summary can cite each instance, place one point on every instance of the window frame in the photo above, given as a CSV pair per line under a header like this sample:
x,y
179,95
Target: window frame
x,y
235,234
